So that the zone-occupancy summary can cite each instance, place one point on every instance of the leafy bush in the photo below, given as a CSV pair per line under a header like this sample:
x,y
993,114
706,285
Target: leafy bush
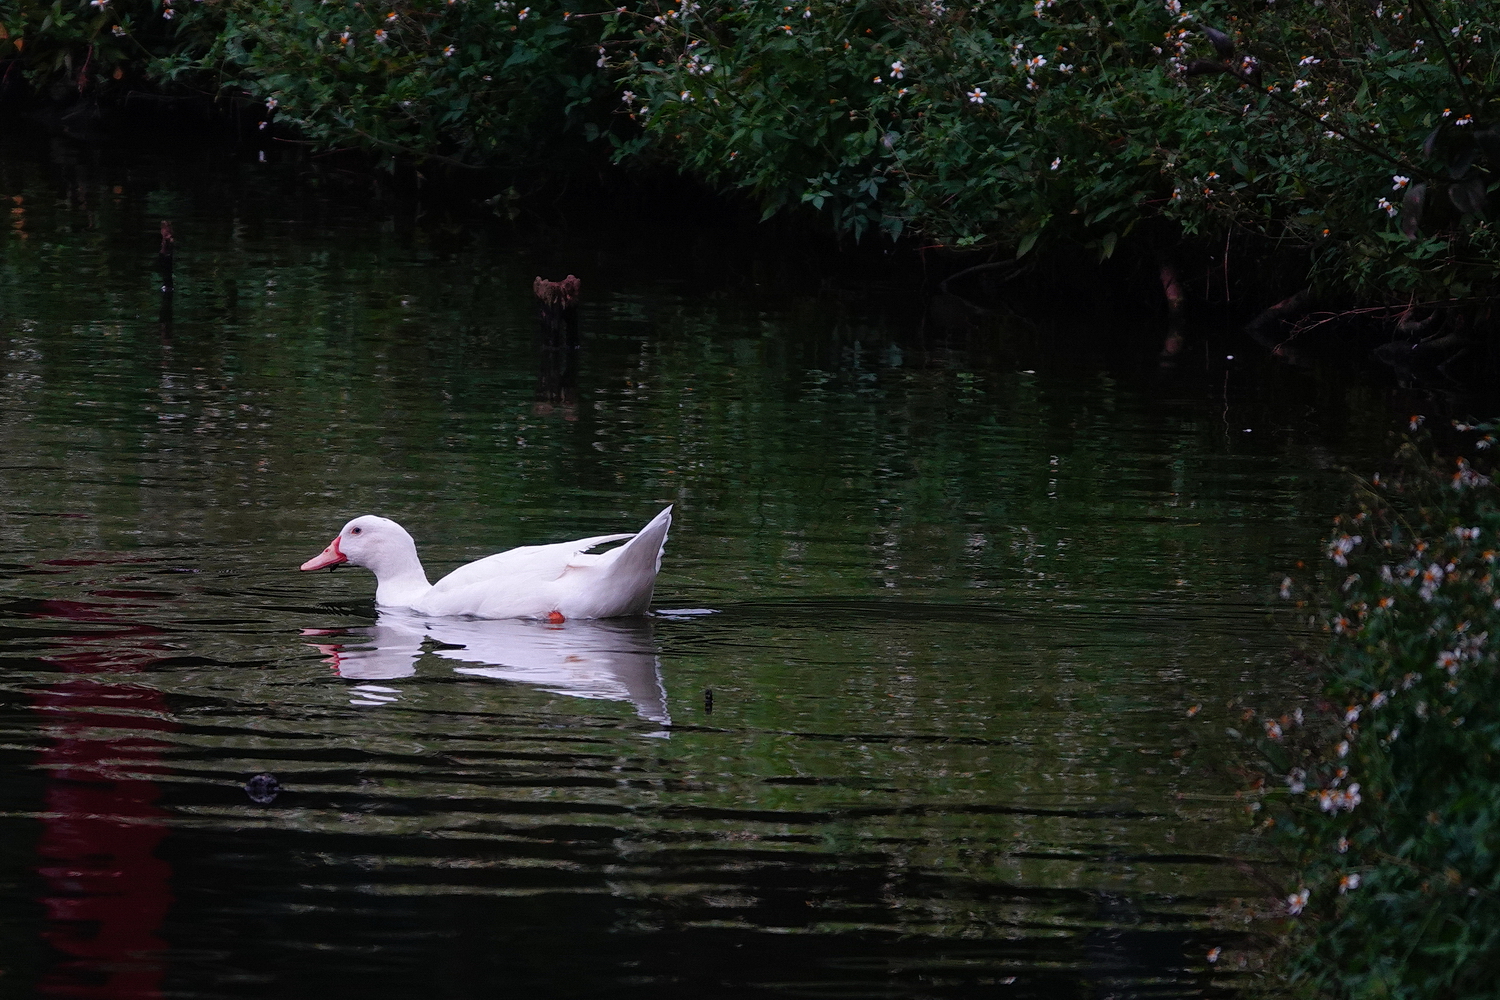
x,y
1392,792
477,83
1359,131
1067,122
86,45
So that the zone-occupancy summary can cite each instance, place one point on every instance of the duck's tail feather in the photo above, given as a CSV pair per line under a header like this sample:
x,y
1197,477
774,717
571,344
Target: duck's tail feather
x,y
642,554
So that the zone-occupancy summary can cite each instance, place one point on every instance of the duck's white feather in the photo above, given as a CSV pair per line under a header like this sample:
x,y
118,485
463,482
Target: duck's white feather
x,y
533,581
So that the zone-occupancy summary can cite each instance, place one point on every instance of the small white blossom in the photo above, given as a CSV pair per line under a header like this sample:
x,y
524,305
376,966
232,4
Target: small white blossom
x,y
977,96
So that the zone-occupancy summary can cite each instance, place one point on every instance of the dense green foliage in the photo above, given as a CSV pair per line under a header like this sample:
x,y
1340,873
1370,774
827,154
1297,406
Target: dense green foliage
x,y
1357,130
1061,121
1393,807
481,84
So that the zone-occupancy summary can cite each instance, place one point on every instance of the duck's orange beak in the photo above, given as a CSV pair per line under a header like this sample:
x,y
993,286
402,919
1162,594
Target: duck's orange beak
x,y
330,556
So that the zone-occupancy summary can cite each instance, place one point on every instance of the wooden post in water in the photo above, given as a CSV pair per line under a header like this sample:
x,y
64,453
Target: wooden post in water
x,y
164,268
1176,311
557,324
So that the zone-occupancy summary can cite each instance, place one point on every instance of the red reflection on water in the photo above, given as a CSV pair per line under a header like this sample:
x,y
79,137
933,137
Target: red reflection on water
x,y
107,892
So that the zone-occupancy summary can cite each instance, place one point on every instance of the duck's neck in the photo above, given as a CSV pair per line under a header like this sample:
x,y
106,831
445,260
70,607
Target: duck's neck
x,y
399,580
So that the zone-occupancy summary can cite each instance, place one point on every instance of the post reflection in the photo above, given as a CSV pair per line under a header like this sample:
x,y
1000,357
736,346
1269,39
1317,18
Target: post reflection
x,y
105,892
611,660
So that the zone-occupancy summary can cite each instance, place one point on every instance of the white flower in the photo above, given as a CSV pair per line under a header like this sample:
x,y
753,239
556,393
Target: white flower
x,y
1308,61
271,103
524,14
977,96
898,71
1350,881
628,98
1056,163
101,4
1298,85
1384,204
1296,901
380,35
1339,548
449,51
1399,181
1035,63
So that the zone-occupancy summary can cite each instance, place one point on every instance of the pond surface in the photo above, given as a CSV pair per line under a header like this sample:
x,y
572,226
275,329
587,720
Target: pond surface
x,y
911,719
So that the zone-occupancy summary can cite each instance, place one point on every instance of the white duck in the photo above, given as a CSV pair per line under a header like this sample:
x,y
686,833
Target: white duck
x,y
555,582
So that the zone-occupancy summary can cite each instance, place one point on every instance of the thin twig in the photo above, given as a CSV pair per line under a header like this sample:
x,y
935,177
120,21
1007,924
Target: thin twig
x,y
1447,56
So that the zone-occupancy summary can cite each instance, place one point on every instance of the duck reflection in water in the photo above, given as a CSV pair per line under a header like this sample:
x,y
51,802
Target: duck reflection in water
x,y
611,659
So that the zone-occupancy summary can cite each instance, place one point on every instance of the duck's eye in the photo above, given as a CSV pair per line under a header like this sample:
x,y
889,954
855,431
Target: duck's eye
x,y
355,531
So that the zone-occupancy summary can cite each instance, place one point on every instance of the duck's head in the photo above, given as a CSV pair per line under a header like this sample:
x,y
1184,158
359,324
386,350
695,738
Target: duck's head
x,y
367,541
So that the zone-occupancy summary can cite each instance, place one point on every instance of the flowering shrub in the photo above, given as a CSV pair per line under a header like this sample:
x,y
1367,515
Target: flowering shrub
x,y
1392,791
475,82
1063,121
84,45
1356,130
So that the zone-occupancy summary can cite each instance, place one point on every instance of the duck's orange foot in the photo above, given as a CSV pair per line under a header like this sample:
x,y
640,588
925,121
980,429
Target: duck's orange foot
x,y
555,617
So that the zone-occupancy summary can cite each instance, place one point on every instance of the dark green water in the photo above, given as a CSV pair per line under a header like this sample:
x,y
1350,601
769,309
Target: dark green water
x,y
963,592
